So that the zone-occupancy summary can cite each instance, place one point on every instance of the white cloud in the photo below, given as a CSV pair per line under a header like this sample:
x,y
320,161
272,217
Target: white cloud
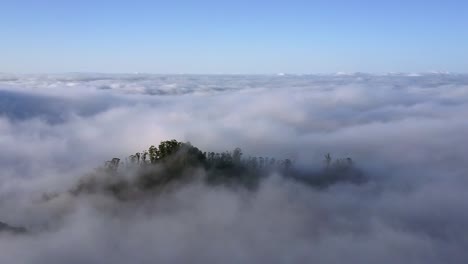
x,y
407,132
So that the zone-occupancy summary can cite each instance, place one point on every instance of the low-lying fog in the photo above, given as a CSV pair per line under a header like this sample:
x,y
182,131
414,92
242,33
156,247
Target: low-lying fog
x,y
409,133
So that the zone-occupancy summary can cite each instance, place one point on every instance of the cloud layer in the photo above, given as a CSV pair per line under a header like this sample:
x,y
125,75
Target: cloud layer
x,y
408,132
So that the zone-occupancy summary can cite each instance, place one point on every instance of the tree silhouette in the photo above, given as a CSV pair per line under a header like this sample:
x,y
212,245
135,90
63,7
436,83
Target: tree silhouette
x,y
176,162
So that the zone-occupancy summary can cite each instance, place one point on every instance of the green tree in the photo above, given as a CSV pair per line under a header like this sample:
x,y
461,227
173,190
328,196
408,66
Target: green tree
x,y
167,148
152,152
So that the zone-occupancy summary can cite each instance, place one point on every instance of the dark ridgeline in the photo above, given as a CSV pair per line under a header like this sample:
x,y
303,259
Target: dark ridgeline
x,y
5,228
174,162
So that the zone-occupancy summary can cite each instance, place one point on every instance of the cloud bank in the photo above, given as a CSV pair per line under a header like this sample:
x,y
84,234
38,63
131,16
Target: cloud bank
x,y
408,132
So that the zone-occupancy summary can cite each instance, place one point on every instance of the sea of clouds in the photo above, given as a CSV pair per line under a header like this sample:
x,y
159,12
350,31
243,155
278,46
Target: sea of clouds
x,y
408,132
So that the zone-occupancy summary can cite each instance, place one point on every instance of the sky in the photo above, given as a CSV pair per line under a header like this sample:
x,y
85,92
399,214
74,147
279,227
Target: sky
x,y
251,37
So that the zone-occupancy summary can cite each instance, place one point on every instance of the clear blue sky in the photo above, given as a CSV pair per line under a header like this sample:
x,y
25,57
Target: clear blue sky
x,y
234,36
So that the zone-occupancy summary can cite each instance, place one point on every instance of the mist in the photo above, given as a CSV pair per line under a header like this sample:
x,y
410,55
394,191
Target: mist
x,y
407,132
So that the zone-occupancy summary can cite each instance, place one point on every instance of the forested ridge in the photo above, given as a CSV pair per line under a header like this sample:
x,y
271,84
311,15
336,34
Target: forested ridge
x,y
174,162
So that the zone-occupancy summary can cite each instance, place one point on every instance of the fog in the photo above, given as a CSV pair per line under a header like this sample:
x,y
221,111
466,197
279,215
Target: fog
x,y
407,132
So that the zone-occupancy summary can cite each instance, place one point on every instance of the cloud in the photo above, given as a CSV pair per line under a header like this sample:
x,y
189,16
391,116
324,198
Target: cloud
x,y
406,132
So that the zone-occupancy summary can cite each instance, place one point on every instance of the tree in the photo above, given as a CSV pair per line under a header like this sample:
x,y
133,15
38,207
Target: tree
x,y
113,164
143,157
167,148
152,152
287,164
236,155
328,160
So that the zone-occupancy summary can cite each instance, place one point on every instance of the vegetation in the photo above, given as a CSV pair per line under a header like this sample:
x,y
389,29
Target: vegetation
x,y
174,162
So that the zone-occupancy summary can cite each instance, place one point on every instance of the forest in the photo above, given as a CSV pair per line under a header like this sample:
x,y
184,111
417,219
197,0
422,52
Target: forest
x,y
173,162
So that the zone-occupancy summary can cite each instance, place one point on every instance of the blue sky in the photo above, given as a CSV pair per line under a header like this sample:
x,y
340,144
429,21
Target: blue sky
x,y
233,36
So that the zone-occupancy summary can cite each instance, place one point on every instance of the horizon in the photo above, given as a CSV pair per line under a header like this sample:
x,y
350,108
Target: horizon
x,y
285,74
